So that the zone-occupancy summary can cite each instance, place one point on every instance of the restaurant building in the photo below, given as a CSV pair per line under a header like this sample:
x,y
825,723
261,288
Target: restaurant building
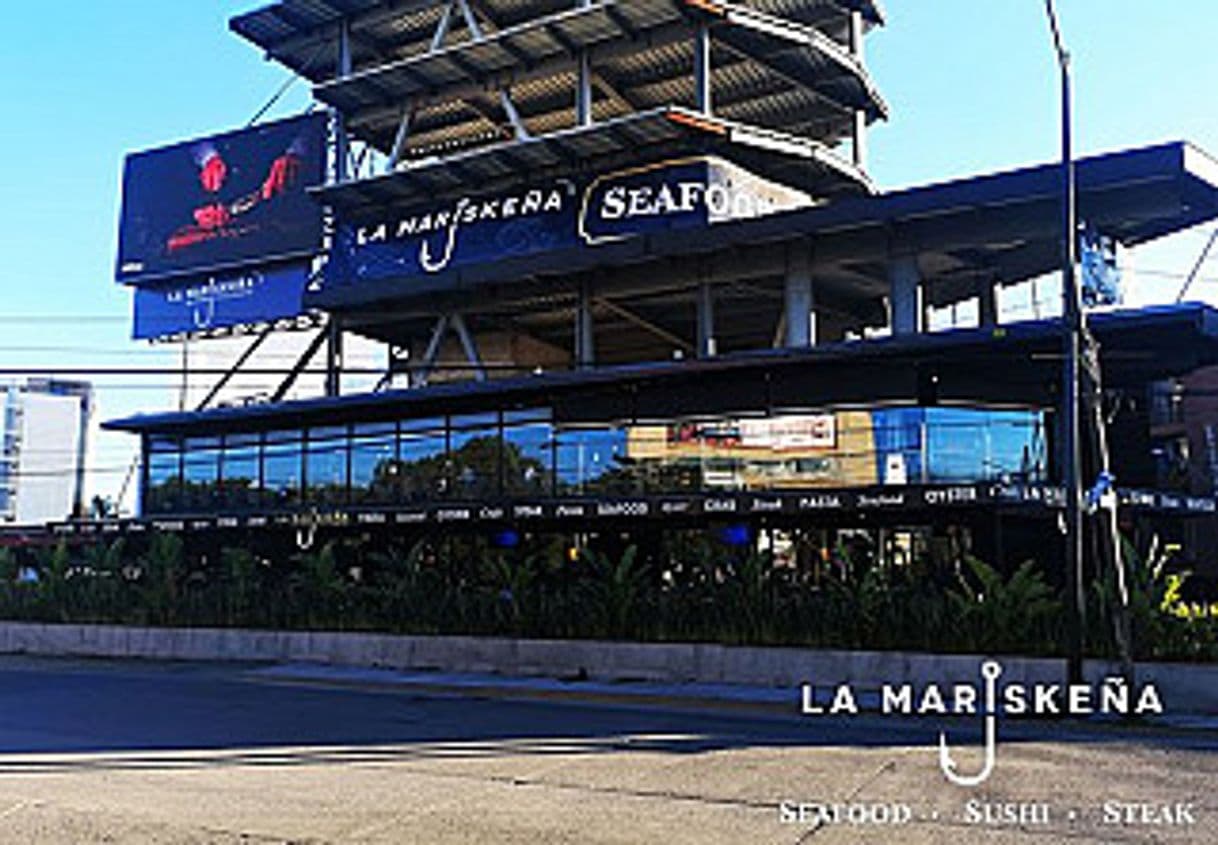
x,y
632,275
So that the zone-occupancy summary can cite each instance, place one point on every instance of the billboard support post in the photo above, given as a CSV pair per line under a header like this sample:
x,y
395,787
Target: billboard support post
x,y
334,356
341,141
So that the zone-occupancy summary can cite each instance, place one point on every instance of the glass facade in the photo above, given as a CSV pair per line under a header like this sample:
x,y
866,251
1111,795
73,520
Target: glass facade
x,y
524,454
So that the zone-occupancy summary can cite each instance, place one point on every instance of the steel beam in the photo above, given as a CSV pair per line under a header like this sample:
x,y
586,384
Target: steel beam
x,y
469,345
645,324
419,378
299,366
237,365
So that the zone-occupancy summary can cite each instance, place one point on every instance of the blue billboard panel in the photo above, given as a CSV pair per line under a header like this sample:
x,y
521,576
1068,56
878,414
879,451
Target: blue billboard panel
x,y
219,203
562,214
220,301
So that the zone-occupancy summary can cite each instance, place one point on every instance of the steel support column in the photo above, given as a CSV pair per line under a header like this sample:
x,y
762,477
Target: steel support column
x,y
858,134
706,321
904,296
702,69
334,357
583,83
585,347
342,144
798,299
987,304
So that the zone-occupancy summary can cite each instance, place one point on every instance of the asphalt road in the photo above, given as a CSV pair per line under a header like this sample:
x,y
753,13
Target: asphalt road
x,y
94,752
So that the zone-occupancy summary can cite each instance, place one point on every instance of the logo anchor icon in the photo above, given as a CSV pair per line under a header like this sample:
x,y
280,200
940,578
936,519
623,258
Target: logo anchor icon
x,y
990,670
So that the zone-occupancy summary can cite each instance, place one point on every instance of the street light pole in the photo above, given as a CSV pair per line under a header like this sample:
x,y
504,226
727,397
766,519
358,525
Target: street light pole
x,y
1072,331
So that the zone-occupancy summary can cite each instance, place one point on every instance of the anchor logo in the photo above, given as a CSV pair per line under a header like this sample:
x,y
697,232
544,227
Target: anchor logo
x,y
432,264
990,670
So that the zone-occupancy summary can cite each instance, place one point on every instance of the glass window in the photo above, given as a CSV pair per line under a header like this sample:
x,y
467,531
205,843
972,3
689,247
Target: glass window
x,y
240,471
973,444
528,455
374,464
422,457
281,468
201,473
473,456
164,491
595,461
326,471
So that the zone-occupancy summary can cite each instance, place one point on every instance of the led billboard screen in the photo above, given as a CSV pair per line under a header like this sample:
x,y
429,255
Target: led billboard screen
x,y
230,201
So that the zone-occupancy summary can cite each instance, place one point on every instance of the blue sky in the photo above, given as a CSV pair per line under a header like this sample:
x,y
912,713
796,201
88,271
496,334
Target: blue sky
x,y
972,87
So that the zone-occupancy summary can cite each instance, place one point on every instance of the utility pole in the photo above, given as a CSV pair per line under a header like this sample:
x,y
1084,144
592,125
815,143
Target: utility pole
x,y
1072,333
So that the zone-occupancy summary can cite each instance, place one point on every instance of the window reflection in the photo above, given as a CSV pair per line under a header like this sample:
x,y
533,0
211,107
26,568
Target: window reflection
x,y
163,493
422,458
595,461
326,467
374,464
241,471
281,469
201,474
524,454
528,454
473,457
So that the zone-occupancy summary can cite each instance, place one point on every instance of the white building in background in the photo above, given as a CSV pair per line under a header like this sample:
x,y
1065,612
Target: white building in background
x,y
44,431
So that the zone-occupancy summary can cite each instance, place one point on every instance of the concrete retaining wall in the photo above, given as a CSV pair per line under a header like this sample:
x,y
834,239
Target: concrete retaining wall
x,y
1184,687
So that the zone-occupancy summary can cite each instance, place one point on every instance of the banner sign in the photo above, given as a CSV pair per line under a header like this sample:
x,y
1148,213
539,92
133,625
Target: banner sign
x,y
563,214
229,201
220,301
1100,265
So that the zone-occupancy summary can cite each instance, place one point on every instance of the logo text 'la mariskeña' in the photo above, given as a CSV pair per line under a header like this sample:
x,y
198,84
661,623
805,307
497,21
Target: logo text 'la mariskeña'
x,y
1114,696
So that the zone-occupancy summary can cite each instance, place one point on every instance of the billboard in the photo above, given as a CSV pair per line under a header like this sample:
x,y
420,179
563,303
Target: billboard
x,y
229,201
219,301
562,214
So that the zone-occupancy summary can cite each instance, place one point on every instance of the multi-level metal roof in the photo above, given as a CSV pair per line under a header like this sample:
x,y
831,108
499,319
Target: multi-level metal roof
x,y
468,94
302,34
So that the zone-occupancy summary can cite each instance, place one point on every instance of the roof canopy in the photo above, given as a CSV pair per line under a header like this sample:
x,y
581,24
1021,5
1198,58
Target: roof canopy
x,y
1012,364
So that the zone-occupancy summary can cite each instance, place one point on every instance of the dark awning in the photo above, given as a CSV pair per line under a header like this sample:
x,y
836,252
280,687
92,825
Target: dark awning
x,y
1016,364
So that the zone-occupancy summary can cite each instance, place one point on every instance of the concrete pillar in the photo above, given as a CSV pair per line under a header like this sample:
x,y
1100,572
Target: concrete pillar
x,y
706,321
798,299
904,297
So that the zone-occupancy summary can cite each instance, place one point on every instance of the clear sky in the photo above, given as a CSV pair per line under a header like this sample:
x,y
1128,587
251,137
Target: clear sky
x,y
972,86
